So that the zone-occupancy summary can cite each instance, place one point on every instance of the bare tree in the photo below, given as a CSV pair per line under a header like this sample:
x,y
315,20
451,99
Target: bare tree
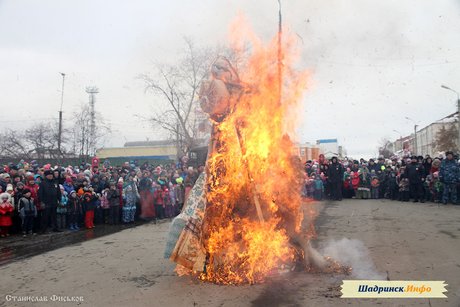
x,y
43,139
385,148
83,143
38,141
176,87
445,138
13,145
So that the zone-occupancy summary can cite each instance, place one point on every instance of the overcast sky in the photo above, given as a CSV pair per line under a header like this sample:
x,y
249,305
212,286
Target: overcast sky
x,y
372,63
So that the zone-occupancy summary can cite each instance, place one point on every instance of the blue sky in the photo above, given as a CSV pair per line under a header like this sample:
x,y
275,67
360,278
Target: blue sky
x,y
372,63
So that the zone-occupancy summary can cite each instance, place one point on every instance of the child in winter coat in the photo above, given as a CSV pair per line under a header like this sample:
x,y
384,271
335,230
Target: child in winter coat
x,y
27,211
89,203
179,191
404,188
73,210
393,187
309,188
172,196
158,200
6,212
61,210
105,205
354,181
375,184
318,188
113,196
167,204
436,188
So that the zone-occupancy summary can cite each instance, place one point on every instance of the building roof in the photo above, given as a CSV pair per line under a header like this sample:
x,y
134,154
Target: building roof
x,y
150,143
448,119
159,143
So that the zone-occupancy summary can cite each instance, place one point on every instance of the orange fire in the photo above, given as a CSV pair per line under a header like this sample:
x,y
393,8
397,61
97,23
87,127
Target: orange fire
x,y
254,181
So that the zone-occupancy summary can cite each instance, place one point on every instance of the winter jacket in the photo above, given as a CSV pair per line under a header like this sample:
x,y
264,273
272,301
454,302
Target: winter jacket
x,y
180,193
68,187
49,192
415,173
27,207
6,211
89,204
335,172
73,206
62,206
34,194
318,184
113,196
404,185
449,171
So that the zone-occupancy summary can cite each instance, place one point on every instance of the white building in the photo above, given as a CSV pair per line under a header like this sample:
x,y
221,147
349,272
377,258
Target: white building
x,y
426,138
329,147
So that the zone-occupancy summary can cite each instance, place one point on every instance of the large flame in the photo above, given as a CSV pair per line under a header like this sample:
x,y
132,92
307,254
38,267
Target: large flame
x,y
253,165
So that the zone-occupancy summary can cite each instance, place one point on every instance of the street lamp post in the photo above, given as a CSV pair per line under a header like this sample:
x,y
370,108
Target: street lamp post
x,y
458,110
400,139
415,135
60,115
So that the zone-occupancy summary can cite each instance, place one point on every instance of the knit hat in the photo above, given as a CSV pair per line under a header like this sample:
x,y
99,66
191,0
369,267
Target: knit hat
x,y
25,191
9,187
30,178
48,172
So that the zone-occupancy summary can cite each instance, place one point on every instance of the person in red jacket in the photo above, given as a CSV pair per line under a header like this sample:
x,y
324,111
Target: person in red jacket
x,y
158,199
355,181
6,212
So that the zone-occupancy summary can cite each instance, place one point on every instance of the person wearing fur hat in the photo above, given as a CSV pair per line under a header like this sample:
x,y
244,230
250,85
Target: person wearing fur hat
x,y
449,174
6,212
49,195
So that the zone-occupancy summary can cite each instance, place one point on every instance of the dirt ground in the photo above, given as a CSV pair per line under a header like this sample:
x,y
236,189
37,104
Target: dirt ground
x,y
405,241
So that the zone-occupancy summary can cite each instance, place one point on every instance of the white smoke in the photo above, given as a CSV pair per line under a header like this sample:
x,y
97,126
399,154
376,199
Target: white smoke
x,y
353,253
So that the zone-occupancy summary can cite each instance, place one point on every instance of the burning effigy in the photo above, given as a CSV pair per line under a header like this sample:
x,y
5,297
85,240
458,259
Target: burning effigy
x,y
244,218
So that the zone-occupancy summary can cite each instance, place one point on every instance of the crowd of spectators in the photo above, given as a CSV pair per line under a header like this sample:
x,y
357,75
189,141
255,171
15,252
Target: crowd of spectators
x,y
35,199
414,178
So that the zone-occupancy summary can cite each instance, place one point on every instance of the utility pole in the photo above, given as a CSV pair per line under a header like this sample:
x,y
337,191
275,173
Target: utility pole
x,y
415,135
92,91
60,115
458,110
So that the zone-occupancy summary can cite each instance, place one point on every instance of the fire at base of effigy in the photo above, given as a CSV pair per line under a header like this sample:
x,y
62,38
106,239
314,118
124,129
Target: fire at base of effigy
x,y
245,219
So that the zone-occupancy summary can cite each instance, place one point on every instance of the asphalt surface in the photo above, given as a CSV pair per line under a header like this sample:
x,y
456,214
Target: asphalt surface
x,y
380,239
